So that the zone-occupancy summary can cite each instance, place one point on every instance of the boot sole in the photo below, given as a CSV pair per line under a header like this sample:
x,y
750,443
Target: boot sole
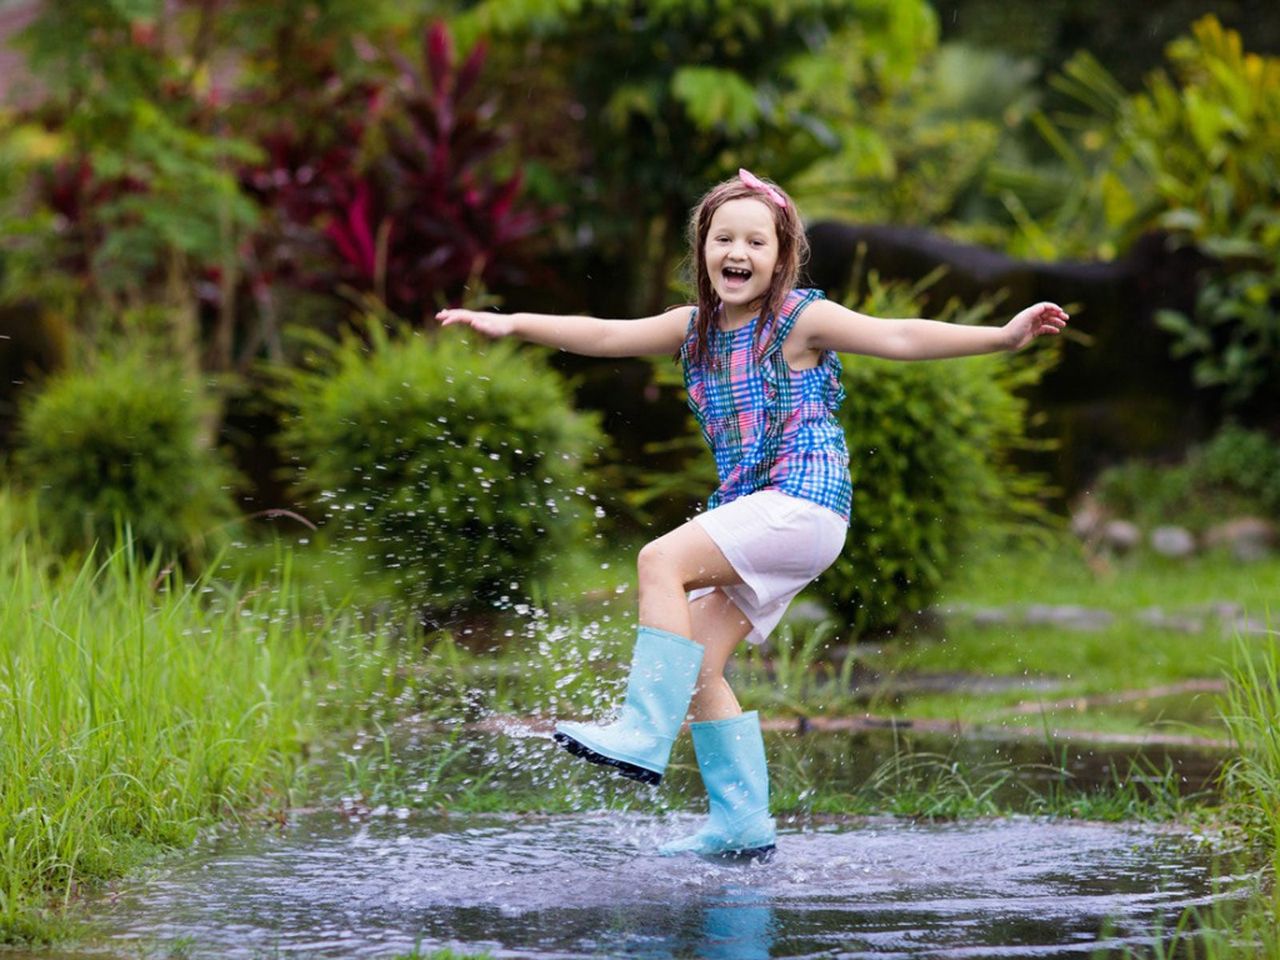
x,y
755,854
628,770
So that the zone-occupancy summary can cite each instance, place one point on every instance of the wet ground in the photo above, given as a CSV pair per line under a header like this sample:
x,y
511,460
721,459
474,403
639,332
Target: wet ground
x,y
590,886
384,876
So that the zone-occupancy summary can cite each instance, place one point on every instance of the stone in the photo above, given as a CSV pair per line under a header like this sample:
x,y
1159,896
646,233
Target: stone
x,y
1247,538
991,617
1160,620
1170,541
1248,626
1088,520
1122,536
1223,609
1069,616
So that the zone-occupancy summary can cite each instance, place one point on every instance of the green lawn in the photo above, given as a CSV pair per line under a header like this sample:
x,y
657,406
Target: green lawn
x,y
1072,671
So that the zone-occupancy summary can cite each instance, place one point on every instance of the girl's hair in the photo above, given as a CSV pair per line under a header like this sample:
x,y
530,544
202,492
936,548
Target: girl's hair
x,y
793,250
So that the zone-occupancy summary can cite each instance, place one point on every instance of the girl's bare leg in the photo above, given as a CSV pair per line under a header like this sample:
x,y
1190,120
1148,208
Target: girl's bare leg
x,y
719,626
667,567
684,559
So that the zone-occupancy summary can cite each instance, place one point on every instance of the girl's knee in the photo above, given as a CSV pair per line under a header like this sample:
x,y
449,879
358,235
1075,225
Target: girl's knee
x,y
655,563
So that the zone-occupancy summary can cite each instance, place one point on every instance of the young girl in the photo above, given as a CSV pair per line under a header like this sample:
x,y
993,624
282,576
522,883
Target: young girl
x,y
763,378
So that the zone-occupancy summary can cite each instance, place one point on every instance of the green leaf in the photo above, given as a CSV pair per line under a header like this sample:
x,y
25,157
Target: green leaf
x,y
717,98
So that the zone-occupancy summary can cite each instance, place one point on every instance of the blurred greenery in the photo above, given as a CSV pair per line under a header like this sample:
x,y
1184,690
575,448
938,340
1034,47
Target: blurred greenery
x,y
664,99
204,181
1236,473
1191,154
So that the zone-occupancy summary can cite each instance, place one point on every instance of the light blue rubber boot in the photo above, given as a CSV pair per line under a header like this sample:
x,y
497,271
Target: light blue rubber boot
x,y
732,763
664,671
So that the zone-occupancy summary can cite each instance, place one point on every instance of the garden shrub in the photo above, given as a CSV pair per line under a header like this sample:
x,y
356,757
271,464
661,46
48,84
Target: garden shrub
x,y
121,444
930,449
1236,473
458,469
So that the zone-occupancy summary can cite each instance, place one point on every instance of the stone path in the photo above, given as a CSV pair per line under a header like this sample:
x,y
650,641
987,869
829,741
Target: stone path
x,y
1230,617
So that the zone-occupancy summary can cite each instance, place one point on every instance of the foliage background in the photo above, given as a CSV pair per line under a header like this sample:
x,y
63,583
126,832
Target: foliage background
x,y
203,180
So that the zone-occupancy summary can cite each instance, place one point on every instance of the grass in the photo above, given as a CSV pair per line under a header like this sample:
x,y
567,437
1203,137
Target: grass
x,y
136,708
1059,573
1064,667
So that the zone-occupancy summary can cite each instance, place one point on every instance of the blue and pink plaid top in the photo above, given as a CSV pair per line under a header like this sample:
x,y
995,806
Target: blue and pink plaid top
x,y
768,426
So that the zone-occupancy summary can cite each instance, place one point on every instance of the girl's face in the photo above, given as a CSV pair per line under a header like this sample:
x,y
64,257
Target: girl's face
x,y
741,252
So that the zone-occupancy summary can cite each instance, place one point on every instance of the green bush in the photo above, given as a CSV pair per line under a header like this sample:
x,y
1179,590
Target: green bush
x,y
456,470
929,446
121,444
1237,472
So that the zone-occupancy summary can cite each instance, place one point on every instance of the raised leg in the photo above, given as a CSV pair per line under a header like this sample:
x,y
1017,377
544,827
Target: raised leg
x,y
682,560
665,664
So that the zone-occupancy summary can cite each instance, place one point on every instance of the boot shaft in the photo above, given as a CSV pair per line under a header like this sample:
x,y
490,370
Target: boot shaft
x,y
732,762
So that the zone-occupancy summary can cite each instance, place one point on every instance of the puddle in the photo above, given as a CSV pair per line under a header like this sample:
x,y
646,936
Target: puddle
x,y
590,886
379,882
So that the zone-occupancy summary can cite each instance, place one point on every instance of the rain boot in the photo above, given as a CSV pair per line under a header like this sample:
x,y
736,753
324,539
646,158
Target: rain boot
x,y
664,670
731,760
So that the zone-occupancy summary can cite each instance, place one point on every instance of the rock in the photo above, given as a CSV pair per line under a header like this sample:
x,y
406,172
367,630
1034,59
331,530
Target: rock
x,y
1251,627
991,617
1247,538
1070,616
1088,520
1155,617
1121,536
1223,609
1174,542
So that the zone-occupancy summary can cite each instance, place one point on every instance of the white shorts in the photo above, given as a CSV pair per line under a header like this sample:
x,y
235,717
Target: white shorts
x,y
777,544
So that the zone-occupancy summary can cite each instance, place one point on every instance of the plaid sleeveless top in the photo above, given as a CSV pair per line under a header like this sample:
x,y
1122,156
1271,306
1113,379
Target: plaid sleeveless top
x,y
770,427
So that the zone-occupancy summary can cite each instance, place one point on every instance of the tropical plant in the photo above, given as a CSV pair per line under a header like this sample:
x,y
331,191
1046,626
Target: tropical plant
x,y
662,99
1192,154
419,217
347,161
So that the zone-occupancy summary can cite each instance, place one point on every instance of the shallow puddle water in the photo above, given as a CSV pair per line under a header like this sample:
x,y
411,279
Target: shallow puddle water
x,y
379,881
591,885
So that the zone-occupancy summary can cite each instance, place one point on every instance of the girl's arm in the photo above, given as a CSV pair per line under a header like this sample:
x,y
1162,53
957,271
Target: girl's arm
x,y
829,326
592,337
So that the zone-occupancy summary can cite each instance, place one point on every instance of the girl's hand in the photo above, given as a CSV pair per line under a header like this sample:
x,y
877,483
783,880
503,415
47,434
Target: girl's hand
x,y
490,324
1035,321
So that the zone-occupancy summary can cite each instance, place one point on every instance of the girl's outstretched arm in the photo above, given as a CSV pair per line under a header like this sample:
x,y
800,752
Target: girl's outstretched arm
x,y
590,336
829,326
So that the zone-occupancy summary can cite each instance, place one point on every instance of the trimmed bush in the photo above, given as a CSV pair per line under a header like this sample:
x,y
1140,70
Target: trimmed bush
x,y
120,444
929,448
458,470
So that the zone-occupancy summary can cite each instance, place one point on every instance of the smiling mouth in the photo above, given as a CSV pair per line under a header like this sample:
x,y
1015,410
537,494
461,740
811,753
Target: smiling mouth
x,y
736,274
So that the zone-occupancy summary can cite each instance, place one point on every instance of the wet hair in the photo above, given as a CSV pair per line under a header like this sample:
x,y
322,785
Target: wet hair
x,y
793,250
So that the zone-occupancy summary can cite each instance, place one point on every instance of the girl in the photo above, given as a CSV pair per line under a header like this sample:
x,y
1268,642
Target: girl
x,y
763,378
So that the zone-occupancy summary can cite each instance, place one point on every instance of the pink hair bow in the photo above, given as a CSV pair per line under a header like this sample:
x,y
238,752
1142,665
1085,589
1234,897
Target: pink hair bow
x,y
755,183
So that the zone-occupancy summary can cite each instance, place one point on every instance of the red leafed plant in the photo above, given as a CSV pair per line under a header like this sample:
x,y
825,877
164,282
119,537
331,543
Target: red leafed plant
x,y
425,217
456,222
